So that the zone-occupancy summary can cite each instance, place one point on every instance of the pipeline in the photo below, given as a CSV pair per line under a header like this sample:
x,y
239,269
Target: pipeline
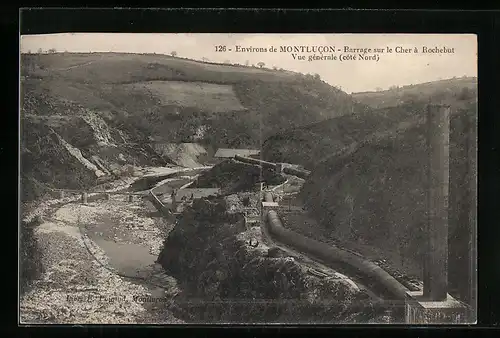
x,y
297,172
332,254
302,173
255,161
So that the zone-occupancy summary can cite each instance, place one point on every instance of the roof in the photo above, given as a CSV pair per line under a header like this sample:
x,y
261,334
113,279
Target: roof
x,y
223,152
196,192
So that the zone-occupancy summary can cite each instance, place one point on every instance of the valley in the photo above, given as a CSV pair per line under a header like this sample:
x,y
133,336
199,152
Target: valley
x,y
132,211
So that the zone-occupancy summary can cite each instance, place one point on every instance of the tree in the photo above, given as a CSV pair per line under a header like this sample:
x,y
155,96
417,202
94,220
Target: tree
x,y
309,76
317,77
275,68
261,64
40,51
174,53
247,63
439,96
52,50
246,201
204,59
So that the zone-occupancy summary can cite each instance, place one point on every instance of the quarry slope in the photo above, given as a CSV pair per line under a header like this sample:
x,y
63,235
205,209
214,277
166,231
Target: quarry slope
x,y
96,113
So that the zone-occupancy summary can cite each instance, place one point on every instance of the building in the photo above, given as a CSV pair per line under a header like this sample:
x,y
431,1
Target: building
x,y
230,153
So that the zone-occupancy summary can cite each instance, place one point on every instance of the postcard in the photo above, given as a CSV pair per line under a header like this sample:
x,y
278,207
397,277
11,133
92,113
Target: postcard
x,y
248,178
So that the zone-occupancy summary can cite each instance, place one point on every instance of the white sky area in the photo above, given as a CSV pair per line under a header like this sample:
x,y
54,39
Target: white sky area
x,y
351,76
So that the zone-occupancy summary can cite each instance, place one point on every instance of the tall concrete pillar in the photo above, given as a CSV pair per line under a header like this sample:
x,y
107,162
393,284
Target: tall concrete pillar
x,y
84,197
462,217
472,203
434,305
435,265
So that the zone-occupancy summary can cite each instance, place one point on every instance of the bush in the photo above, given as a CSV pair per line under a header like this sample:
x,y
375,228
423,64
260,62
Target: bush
x,y
465,94
246,201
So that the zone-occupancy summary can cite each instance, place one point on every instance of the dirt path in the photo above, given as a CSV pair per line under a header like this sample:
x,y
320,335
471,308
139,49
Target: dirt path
x,y
76,66
372,139
86,251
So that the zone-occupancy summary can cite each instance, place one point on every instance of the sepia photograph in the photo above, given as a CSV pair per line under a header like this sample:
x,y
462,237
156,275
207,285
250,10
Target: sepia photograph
x,y
202,178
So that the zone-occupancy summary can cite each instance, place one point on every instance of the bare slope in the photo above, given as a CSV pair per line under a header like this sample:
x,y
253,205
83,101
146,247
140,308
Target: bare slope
x,y
182,154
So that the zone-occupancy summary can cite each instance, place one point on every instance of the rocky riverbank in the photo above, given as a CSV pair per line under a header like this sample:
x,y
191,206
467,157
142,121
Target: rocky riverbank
x,y
99,264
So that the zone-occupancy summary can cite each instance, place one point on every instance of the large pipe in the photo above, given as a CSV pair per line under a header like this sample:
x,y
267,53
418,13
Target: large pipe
x,y
332,254
287,170
255,161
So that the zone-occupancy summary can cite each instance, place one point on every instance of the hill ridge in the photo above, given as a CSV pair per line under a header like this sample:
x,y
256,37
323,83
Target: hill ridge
x,y
148,98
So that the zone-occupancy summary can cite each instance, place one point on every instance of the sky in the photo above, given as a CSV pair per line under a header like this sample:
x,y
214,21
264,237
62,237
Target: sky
x,y
391,69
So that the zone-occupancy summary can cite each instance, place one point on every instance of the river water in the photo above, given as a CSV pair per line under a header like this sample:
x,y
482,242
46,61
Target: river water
x,y
131,238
